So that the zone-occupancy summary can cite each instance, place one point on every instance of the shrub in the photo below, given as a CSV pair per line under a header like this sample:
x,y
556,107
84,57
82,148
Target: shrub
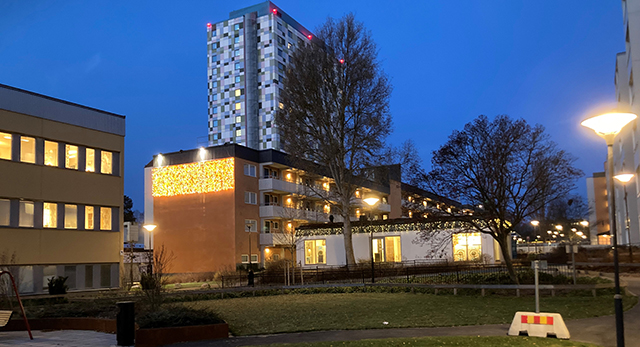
x,y
176,316
57,285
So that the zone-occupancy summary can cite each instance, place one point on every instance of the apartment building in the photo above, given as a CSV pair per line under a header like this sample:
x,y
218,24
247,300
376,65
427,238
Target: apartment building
x,y
220,207
61,192
247,56
599,227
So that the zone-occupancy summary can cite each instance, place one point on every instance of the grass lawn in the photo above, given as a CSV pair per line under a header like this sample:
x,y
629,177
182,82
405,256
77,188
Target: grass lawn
x,y
514,341
299,312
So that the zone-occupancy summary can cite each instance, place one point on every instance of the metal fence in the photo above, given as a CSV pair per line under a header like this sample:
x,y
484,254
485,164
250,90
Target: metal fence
x,y
419,273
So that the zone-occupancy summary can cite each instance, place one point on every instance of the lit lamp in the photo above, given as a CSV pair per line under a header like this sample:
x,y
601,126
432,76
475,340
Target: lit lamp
x,y
535,224
607,126
624,178
150,228
371,201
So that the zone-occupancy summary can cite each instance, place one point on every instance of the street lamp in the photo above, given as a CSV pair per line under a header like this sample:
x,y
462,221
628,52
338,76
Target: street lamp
x,y
150,228
607,126
624,179
535,224
371,201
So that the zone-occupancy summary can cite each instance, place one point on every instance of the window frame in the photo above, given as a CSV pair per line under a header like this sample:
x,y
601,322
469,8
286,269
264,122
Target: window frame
x,y
7,136
23,154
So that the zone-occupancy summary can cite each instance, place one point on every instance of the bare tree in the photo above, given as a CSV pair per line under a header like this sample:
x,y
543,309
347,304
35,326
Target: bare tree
x,y
509,168
335,110
410,162
154,279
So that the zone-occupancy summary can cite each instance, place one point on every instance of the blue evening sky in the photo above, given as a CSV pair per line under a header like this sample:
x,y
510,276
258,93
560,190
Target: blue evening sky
x,y
547,61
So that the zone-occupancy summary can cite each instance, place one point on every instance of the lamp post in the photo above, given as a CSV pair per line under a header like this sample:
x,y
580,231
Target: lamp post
x,y
371,201
150,228
535,224
607,126
624,179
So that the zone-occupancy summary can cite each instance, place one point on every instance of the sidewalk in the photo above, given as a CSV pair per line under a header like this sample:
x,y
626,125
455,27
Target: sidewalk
x,y
597,330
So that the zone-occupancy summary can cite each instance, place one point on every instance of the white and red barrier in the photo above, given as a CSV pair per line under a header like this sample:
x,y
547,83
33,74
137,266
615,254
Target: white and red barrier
x,y
539,325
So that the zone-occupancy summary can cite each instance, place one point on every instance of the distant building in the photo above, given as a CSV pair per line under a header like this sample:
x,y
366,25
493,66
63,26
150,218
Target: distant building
x,y
599,227
227,206
61,191
247,55
136,235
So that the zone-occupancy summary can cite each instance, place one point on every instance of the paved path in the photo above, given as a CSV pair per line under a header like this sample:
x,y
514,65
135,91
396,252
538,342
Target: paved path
x,y
66,338
598,330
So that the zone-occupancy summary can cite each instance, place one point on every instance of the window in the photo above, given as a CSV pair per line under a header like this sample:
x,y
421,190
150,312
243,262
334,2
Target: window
x,y
251,225
71,157
315,252
91,160
238,119
5,146
50,153
254,258
236,27
5,211
237,79
105,276
26,214
250,198
467,246
88,217
88,276
387,249
27,149
238,92
238,105
236,39
50,215
237,66
238,133
215,110
215,97
236,53
245,259
106,162
250,170
70,216
105,218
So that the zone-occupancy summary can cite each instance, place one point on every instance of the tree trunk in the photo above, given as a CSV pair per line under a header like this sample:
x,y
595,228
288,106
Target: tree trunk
x,y
348,243
506,255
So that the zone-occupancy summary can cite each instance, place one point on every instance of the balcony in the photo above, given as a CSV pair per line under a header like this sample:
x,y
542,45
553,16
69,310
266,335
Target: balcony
x,y
274,239
280,212
270,184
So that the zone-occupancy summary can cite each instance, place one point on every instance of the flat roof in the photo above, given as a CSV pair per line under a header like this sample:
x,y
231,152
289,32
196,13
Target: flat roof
x,y
42,106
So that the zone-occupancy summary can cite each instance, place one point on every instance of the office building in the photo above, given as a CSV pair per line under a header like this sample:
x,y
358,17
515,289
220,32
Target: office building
x,y
61,192
247,55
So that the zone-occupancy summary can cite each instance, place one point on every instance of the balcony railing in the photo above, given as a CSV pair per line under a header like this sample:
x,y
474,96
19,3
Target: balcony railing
x,y
280,212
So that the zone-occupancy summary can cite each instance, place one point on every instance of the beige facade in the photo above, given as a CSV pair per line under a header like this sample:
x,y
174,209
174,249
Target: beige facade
x,y
61,192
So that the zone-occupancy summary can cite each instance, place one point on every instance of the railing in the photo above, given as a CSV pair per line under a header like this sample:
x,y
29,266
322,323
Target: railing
x,y
436,273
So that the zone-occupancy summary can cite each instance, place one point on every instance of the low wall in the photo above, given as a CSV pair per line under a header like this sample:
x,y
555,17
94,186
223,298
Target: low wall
x,y
95,324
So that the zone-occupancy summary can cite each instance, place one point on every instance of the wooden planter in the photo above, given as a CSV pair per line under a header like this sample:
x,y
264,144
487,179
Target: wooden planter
x,y
165,336
95,324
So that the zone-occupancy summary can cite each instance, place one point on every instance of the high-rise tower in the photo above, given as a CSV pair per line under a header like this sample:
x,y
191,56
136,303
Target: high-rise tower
x,y
247,55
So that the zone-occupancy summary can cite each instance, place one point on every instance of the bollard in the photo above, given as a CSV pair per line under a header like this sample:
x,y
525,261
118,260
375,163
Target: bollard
x,y
125,323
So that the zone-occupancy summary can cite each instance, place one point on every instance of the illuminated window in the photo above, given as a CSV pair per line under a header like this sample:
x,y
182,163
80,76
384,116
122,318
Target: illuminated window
x,y
106,162
27,149
88,217
238,132
70,216
315,252
238,119
238,92
244,258
254,258
280,105
467,246
105,218
250,170
238,105
357,194
50,153
410,214
26,214
385,216
5,146
250,198
71,157
5,211
50,215
91,160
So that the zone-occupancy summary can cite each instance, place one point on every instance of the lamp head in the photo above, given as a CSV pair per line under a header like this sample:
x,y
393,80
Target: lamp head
x,y
149,227
624,177
584,223
371,201
535,223
609,124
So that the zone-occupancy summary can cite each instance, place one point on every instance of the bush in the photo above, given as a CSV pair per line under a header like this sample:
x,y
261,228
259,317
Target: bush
x,y
57,285
177,316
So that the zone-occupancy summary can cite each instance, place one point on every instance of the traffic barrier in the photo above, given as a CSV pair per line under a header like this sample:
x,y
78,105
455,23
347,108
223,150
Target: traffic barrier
x,y
539,325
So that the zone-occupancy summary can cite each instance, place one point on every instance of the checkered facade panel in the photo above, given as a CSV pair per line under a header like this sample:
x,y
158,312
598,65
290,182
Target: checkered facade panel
x,y
276,41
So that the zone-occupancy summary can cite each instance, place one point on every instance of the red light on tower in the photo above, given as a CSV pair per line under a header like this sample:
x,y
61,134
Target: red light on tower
x,y
309,37
341,61
275,11
208,25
